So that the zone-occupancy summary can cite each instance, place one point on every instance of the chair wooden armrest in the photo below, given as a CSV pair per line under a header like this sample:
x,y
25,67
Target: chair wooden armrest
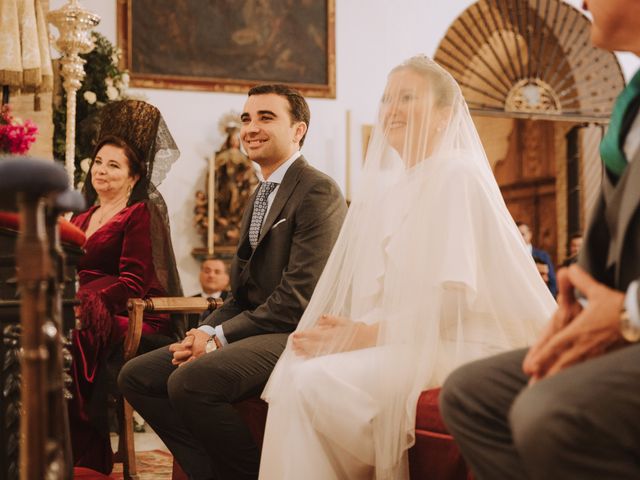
x,y
136,308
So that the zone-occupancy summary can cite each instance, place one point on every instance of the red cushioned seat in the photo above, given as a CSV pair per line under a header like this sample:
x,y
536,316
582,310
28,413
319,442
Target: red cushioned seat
x,y
69,233
428,412
435,456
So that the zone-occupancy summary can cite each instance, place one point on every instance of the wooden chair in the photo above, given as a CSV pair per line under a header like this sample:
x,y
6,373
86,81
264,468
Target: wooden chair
x,y
137,307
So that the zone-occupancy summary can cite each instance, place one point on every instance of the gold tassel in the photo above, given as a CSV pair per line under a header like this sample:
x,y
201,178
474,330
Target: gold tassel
x,y
8,77
32,77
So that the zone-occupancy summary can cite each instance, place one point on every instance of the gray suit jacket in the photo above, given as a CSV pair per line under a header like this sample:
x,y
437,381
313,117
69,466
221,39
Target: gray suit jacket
x,y
271,285
611,247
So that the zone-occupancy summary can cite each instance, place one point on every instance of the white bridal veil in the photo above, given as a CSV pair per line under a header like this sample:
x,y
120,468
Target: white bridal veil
x,y
429,252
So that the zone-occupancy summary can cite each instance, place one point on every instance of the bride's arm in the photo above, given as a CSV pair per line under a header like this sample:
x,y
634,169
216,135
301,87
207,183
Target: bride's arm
x,y
334,334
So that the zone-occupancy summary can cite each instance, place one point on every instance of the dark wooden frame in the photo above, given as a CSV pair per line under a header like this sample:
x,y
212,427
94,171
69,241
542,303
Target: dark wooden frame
x,y
324,88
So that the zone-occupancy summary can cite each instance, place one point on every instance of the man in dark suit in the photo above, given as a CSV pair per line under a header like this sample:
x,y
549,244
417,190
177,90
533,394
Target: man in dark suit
x,y
214,283
543,269
568,408
538,253
214,279
575,244
186,391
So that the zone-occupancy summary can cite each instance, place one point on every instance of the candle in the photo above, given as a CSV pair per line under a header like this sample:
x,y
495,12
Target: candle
x,y
211,202
348,158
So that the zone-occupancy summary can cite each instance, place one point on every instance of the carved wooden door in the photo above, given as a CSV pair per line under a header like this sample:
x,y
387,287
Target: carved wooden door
x,y
527,179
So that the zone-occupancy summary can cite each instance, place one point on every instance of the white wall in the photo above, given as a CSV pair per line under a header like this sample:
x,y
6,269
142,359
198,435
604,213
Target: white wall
x,y
371,37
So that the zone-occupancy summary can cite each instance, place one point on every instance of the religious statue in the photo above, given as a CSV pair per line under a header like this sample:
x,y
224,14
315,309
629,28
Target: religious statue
x,y
234,180
200,219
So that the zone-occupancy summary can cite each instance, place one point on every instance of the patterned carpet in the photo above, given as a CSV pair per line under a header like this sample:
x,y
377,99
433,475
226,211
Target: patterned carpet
x,y
152,465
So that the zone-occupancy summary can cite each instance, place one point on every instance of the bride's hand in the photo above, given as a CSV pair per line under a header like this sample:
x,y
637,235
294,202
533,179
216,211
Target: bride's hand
x,y
333,334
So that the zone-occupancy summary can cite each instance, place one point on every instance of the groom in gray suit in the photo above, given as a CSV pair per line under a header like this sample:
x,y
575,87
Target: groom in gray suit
x,y
186,391
569,407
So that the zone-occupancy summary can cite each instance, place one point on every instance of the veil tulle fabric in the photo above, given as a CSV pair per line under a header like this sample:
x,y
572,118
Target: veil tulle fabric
x,y
429,252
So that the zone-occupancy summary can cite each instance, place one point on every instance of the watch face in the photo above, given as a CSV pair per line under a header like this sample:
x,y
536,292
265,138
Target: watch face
x,y
210,346
629,332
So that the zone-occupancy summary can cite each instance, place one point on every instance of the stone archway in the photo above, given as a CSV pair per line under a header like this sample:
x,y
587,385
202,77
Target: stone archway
x,y
530,76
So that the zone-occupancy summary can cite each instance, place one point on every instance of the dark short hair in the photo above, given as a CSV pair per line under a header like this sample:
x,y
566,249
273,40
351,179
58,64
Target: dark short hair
x,y
539,260
298,107
209,259
136,165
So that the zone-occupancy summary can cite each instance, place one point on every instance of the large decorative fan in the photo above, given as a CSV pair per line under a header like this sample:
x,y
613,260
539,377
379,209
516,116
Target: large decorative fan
x,y
530,56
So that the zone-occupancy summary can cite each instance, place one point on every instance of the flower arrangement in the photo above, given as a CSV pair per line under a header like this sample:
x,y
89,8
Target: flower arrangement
x,y
104,82
16,136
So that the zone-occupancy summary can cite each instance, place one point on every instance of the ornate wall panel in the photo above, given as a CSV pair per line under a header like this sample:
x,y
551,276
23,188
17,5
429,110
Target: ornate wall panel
x,y
530,56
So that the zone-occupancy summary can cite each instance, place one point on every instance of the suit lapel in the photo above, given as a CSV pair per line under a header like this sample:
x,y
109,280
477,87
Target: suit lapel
x,y
285,190
246,220
630,198
244,249
287,187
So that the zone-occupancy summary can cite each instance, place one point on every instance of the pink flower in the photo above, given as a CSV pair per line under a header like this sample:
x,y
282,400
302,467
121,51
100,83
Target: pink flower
x,y
15,137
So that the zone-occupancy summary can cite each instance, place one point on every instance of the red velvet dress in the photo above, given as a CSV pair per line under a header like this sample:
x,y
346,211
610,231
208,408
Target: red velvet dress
x,y
117,265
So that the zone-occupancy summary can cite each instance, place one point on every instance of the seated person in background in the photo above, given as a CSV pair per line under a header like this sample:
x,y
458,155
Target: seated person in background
x,y
568,408
575,243
214,281
128,253
543,269
525,231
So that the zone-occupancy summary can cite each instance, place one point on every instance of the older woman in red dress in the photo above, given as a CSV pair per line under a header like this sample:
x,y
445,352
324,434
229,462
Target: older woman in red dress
x,y
128,254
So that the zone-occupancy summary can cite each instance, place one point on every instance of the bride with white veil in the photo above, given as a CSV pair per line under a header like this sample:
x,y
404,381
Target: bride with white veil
x,y
429,272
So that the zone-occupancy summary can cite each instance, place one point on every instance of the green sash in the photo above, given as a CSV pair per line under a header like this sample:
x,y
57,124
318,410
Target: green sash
x,y
611,147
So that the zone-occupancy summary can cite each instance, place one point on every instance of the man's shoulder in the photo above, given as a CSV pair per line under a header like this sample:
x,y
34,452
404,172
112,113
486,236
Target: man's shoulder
x,y
310,174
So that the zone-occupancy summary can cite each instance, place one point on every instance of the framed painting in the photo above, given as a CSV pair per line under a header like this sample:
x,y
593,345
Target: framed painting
x,y
229,45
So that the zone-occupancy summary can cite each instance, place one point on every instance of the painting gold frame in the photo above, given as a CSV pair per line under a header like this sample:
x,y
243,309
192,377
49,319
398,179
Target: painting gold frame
x,y
224,46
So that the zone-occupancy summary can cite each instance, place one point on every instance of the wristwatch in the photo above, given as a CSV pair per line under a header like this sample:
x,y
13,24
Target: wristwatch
x,y
211,345
629,331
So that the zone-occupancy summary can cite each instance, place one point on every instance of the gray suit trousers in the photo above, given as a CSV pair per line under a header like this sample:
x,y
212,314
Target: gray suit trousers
x,y
190,407
582,423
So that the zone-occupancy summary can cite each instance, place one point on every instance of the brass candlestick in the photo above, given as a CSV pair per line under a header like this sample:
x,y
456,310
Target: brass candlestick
x,y
74,24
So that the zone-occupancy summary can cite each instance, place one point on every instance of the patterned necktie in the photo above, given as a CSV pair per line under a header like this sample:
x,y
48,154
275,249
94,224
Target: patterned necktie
x,y
259,210
612,145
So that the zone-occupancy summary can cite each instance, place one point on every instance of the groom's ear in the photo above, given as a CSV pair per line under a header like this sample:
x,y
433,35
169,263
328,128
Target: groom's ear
x,y
300,130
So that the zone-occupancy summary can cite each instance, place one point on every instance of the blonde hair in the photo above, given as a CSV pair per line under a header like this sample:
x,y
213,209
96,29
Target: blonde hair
x,y
445,88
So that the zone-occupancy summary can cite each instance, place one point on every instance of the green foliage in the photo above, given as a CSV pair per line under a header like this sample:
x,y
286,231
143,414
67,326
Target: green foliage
x,y
104,82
